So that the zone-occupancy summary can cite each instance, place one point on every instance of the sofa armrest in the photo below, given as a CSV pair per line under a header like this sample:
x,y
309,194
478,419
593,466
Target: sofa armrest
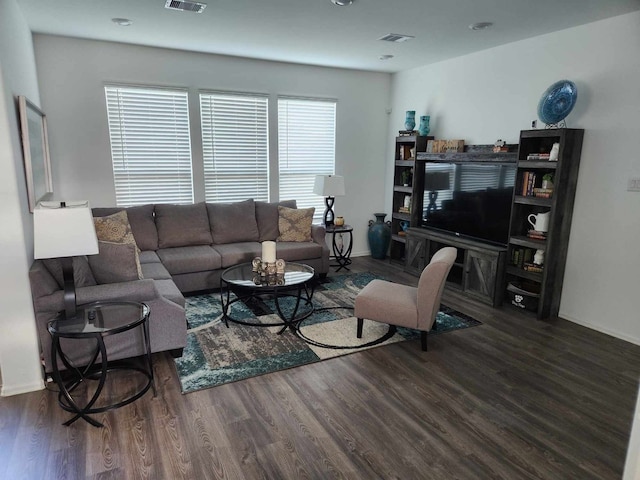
x,y
318,234
134,291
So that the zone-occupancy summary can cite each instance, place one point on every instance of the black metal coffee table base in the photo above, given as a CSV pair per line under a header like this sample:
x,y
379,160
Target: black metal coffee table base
x,y
303,298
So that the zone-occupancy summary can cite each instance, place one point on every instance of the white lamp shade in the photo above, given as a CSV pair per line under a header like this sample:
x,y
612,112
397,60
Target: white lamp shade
x,y
329,185
63,231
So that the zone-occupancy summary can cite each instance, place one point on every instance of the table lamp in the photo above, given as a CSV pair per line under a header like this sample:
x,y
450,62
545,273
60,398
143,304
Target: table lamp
x,y
64,230
434,181
329,186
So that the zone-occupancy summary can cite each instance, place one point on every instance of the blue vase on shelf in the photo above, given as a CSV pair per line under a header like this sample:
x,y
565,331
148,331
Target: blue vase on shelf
x,y
410,120
379,236
423,129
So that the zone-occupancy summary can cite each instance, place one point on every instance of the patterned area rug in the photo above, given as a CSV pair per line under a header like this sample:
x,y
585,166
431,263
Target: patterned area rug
x,y
215,354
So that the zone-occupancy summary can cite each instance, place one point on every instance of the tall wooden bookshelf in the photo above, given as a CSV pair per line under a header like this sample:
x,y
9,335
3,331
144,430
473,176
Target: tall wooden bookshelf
x,y
406,178
533,164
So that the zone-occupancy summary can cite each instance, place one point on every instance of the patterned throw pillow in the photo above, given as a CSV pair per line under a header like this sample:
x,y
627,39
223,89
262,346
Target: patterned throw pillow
x,y
116,229
295,224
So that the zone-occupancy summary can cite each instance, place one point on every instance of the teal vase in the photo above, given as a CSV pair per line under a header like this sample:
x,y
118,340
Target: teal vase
x,y
409,121
423,129
379,236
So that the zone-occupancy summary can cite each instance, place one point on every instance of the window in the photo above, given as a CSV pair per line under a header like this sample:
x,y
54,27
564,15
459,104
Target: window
x,y
306,148
235,146
150,145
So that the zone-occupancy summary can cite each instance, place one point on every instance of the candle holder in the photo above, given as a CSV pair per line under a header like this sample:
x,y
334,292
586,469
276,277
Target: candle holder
x,y
268,269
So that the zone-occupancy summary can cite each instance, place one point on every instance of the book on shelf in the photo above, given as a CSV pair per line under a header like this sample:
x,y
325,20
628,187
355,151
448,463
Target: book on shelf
x,y
538,156
535,234
407,133
521,256
528,183
532,267
404,210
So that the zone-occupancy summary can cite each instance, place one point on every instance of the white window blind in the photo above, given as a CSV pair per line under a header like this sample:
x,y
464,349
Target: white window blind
x,y
235,146
306,148
150,145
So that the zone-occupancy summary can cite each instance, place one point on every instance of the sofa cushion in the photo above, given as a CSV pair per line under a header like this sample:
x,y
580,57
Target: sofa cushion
x,y
233,222
143,225
295,224
267,218
197,258
297,251
241,252
156,271
116,262
82,275
182,225
149,257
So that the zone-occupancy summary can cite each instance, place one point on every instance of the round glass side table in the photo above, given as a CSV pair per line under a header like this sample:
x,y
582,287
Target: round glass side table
x,y
97,321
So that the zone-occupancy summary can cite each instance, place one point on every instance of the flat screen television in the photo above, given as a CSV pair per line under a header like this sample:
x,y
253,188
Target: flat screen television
x,y
470,199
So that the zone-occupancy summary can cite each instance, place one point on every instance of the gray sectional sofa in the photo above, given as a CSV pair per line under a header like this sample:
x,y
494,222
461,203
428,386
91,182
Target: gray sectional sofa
x,y
183,249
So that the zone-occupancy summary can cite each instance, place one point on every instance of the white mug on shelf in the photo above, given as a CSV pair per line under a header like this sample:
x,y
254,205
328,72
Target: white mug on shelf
x,y
540,221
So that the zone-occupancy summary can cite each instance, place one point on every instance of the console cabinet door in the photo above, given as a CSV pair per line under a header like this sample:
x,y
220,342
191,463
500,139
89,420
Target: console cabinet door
x,y
415,252
480,275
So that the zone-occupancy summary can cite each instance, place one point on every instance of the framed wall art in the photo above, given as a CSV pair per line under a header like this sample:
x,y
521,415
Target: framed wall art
x,y
35,147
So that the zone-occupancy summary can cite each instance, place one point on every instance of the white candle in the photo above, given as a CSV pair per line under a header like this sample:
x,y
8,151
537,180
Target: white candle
x,y
268,252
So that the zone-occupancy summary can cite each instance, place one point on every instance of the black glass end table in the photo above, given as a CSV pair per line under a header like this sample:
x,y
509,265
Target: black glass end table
x,y
97,321
341,250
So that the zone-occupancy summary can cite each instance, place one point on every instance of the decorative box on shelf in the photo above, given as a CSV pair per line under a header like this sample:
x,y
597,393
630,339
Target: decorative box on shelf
x,y
543,192
445,146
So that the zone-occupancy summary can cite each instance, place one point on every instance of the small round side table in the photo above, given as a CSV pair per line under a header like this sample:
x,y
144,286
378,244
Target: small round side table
x,y
342,252
96,321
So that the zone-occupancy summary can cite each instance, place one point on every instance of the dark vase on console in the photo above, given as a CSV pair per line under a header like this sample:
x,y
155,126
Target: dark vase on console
x,y
379,236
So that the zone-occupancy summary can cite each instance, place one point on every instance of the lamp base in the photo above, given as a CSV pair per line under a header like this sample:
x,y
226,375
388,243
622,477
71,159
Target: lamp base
x,y
433,197
69,288
328,212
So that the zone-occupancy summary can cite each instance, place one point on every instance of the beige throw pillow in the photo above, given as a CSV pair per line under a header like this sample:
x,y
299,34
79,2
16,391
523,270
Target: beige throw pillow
x,y
295,224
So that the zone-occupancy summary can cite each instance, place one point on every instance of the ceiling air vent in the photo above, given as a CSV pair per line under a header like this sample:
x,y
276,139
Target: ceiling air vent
x,y
185,6
396,38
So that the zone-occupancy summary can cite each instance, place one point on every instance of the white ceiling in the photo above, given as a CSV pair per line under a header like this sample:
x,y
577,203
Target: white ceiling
x,y
317,32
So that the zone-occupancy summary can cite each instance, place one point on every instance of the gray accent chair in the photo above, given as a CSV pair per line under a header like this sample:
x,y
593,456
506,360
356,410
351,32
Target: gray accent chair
x,y
403,305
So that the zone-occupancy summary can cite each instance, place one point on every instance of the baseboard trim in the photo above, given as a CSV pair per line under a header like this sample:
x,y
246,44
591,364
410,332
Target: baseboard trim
x,y
9,390
601,329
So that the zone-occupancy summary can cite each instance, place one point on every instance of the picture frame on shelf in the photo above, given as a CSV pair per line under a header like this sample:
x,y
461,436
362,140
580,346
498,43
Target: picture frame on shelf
x,y
35,149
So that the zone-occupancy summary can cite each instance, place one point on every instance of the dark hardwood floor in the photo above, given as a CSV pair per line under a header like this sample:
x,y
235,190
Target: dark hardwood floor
x,y
513,398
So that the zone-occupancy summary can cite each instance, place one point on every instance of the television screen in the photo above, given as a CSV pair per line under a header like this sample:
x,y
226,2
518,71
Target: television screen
x,y
469,199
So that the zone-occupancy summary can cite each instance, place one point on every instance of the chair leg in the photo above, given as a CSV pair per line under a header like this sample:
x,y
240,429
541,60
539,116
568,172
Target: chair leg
x,y
423,340
360,323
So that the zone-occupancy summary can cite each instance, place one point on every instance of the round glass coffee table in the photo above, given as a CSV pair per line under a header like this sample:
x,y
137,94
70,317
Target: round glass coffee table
x,y
244,283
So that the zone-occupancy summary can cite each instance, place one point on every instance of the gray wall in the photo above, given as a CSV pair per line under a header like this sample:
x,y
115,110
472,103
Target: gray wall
x,y
73,72
19,356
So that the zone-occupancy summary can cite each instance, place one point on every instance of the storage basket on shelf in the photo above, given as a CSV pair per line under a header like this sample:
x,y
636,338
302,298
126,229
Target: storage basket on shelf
x,y
524,295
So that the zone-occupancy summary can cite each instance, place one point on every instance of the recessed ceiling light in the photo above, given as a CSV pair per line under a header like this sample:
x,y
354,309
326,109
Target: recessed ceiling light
x,y
480,25
342,3
385,57
123,22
